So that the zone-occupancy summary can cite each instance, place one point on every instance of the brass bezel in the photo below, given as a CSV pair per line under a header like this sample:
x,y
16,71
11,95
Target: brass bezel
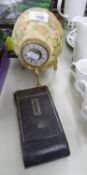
x,y
33,41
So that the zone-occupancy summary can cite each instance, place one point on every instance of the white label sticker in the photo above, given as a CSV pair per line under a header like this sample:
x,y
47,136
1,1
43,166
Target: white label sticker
x,y
38,16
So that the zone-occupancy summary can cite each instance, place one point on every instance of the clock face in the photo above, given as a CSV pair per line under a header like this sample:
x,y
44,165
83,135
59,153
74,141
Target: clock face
x,y
34,54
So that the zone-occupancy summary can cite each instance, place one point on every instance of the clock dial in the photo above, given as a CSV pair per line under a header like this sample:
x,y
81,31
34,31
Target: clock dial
x,y
34,54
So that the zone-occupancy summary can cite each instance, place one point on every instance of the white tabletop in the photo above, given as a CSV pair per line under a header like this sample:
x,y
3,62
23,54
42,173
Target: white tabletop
x,y
68,103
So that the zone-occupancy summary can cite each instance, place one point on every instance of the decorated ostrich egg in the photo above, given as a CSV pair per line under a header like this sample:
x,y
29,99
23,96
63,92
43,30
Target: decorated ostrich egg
x,y
37,38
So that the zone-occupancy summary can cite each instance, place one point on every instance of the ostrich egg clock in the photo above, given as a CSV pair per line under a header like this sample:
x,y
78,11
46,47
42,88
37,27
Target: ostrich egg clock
x,y
37,38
